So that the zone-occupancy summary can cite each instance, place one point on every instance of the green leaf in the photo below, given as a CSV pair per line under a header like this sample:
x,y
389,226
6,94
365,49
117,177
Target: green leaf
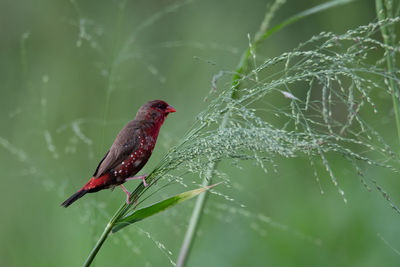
x,y
304,14
144,213
260,36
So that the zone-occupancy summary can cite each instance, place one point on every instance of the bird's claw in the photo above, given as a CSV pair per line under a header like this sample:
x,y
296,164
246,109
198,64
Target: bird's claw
x,y
144,181
142,177
128,195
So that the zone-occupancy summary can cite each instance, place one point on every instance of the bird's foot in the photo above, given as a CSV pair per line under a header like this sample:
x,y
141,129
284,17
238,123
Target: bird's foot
x,y
128,195
142,177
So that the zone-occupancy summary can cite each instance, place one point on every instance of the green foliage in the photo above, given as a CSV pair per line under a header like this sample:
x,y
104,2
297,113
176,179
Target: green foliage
x,y
141,214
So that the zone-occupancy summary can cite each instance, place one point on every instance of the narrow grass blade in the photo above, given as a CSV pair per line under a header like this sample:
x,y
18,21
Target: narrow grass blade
x,y
263,34
144,213
304,14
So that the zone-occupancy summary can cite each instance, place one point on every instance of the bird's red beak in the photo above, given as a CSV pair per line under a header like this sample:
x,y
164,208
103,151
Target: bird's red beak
x,y
170,109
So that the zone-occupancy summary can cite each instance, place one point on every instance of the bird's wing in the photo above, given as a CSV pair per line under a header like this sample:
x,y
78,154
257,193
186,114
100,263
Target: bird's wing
x,y
126,142
98,166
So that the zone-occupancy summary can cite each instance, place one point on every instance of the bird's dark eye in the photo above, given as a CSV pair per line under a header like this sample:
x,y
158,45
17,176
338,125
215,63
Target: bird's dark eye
x,y
161,106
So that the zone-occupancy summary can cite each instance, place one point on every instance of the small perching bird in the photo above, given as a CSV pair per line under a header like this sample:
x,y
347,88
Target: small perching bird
x,y
130,151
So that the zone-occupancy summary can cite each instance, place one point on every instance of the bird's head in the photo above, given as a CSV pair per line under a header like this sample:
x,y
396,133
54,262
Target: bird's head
x,y
156,111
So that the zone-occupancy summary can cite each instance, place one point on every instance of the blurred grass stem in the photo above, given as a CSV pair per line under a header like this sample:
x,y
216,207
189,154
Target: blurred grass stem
x,y
384,13
197,210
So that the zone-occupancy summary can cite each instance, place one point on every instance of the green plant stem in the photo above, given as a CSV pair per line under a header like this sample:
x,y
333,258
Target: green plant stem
x,y
194,220
383,14
263,33
198,210
260,36
200,202
105,234
98,245
120,212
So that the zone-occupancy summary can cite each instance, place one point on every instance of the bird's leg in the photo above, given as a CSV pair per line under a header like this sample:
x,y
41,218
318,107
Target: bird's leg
x,y
127,194
142,177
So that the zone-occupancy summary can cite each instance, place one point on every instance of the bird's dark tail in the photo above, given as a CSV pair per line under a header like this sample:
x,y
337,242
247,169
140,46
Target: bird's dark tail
x,y
93,185
74,197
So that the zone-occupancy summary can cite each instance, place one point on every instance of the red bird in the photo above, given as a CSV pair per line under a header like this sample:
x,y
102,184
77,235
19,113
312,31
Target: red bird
x,y
130,151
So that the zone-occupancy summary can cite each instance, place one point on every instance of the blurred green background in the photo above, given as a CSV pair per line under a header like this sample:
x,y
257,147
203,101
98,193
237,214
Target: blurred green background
x,y
74,72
